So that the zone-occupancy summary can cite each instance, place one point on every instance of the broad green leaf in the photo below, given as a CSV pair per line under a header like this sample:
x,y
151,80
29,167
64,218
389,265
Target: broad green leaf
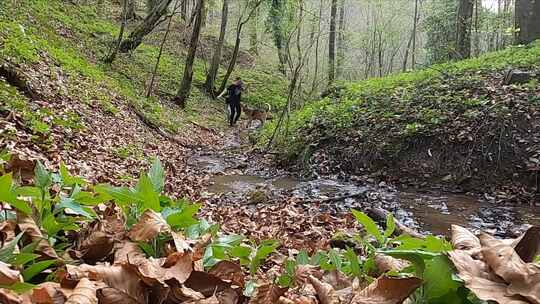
x,y
240,251
417,257
335,259
147,195
430,243
50,225
302,258
438,278
6,252
185,217
42,177
28,191
68,203
88,198
369,225
19,287
22,258
122,195
229,240
354,264
537,259
149,250
69,179
390,225
8,194
36,268
266,248
157,175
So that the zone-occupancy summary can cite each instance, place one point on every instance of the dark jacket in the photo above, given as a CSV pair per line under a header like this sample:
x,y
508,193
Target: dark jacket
x,y
234,93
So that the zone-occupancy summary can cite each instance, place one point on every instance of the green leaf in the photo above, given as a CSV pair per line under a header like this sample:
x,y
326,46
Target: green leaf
x,y
438,278
69,179
335,259
50,225
369,225
417,257
19,287
240,251
149,250
302,258
157,175
390,225
185,217
537,259
8,194
66,202
122,195
22,258
147,195
36,268
354,265
42,177
263,251
6,252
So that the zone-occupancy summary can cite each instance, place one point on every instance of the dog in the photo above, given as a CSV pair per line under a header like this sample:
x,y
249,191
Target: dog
x,y
255,114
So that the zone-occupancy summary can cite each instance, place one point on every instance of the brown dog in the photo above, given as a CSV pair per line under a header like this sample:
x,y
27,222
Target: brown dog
x,y
255,114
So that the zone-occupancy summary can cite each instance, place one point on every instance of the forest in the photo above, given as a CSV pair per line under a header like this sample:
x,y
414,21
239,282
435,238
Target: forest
x,y
269,151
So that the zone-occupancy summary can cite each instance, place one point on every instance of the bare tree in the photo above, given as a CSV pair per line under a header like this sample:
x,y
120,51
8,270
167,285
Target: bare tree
x,y
341,40
239,26
116,47
527,20
216,57
332,43
185,87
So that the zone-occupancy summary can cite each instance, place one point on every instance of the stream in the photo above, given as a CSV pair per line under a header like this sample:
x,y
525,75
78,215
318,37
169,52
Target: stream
x,y
242,178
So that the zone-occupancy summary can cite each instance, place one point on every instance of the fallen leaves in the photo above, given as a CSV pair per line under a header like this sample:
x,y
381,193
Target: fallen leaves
x,y
9,276
497,272
148,227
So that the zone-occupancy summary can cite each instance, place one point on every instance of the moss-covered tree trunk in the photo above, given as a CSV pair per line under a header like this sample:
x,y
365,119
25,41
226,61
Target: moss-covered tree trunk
x,y
276,15
463,31
216,57
185,86
144,28
527,20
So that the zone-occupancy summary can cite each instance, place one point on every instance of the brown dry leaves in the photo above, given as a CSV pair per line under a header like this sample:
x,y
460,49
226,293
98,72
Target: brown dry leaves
x,y
494,270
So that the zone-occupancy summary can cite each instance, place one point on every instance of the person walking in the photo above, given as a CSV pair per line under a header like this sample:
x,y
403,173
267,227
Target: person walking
x,y
234,97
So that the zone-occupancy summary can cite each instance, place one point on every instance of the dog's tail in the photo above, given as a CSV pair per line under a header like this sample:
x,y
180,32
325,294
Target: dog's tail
x,y
268,107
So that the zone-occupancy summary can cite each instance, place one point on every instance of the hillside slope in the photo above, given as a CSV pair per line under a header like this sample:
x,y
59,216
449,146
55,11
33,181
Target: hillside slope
x,y
457,124
58,102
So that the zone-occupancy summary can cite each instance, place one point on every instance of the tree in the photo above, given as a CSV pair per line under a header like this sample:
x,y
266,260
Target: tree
x,y
332,43
463,31
341,40
440,25
239,26
116,47
149,23
527,21
277,20
131,15
216,57
185,87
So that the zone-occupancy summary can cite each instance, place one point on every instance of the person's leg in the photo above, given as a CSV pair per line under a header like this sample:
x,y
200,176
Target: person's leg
x,y
238,109
232,113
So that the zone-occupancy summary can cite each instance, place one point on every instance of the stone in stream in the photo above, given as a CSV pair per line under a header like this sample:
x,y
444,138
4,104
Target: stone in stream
x,y
515,76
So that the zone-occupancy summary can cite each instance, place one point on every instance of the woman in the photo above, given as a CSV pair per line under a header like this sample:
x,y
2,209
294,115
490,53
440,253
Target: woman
x,y
234,96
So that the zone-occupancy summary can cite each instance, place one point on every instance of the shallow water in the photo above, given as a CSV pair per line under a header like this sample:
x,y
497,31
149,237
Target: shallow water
x,y
430,211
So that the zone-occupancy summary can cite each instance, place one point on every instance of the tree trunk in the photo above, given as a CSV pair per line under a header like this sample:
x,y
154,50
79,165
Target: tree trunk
x,y
316,72
415,27
114,50
332,44
276,20
341,40
150,22
216,58
131,15
183,10
253,34
239,27
527,21
463,41
185,86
